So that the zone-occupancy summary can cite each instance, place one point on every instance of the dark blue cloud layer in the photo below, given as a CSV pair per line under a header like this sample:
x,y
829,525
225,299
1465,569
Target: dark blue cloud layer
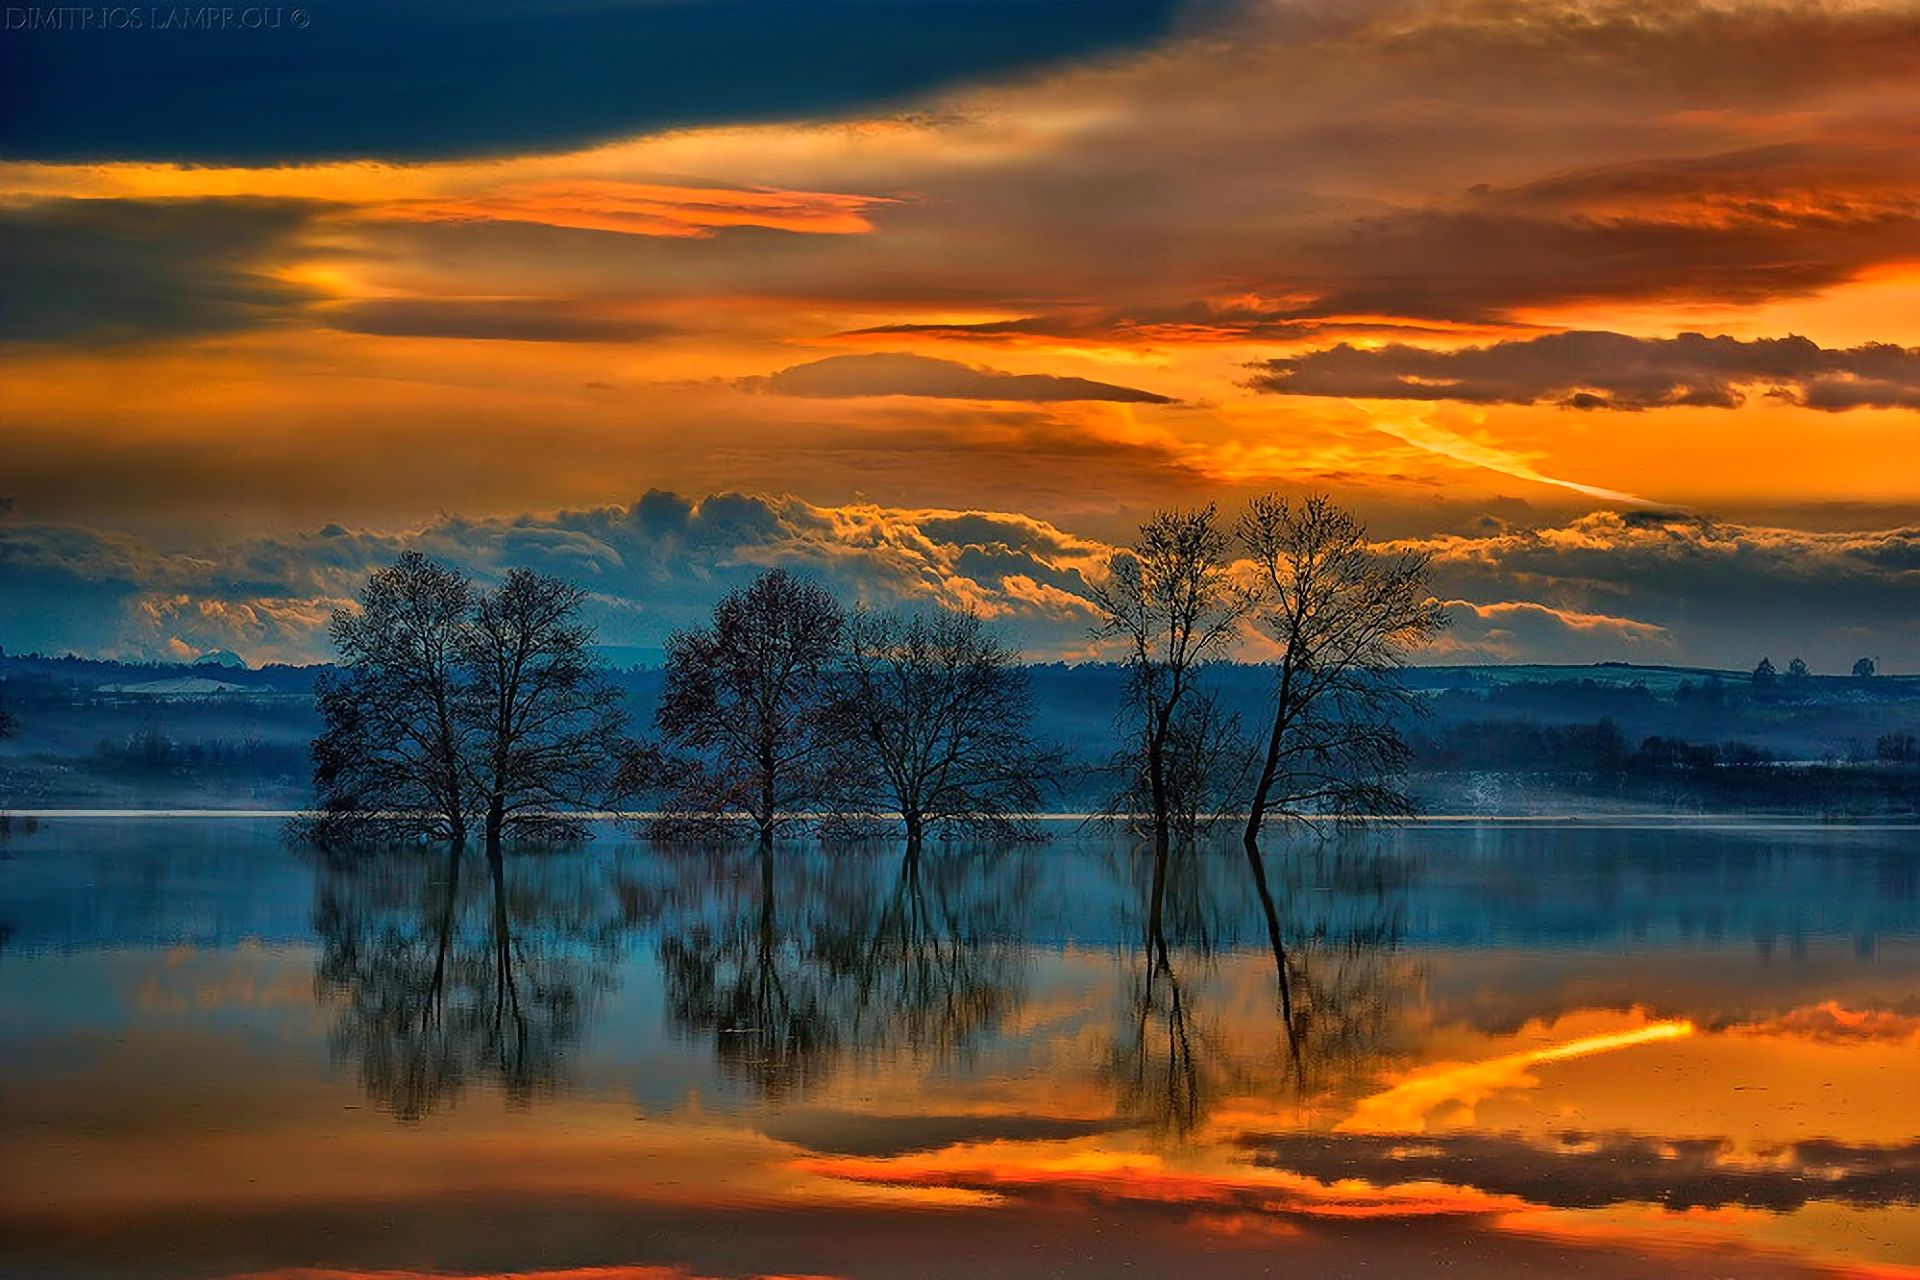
x,y
415,79
1644,585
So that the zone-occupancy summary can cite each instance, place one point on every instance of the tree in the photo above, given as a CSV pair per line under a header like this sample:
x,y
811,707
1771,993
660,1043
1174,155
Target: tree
x,y
541,718
747,693
391,758
1343,619
454,706
935,711
1897,747
1765,677
1170,600
8,725
1863,669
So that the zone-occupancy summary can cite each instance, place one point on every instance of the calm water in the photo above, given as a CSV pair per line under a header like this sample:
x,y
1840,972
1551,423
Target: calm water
x,y
1499,1050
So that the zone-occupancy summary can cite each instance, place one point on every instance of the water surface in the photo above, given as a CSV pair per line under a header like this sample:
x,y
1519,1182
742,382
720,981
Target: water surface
x,y
1476,1050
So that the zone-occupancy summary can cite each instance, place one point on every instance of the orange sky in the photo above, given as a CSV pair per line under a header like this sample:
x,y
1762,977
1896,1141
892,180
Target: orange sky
x,y
203,351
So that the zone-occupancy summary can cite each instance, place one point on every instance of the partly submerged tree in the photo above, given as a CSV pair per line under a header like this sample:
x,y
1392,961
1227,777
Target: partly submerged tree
x,y
745,696
1343,619
454,708
542,720
1169,599
933,714
391,760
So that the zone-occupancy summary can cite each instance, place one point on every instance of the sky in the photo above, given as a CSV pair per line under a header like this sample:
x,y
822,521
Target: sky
x,y
1610,307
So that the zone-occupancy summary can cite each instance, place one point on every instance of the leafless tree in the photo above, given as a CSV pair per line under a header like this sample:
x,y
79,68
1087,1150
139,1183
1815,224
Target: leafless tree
x,y
933,714
543,721
746,694
1344,617
1172,602
391,758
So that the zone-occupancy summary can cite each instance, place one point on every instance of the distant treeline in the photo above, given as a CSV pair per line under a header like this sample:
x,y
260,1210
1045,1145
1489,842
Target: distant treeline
x,y
150,753
1598,758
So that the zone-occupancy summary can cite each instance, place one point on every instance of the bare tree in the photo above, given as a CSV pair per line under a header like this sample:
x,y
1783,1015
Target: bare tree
x,y
390,760
544,721
1344,619
934,711
1171,601
746,694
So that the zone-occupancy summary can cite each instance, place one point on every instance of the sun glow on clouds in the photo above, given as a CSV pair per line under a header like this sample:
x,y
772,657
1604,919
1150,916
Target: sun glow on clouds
x,y
647,209
1424,433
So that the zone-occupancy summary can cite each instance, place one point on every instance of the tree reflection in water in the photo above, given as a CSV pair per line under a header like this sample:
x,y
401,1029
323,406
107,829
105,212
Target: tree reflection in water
x,y
795,962
445,970
1331,914
792,963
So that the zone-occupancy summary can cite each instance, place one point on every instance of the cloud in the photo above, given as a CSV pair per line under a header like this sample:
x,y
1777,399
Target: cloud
x,y
645,208
1437,439
1600,370
1649,585
418,78
1724,592
103,271
508,319
1512,630
651,567
892,374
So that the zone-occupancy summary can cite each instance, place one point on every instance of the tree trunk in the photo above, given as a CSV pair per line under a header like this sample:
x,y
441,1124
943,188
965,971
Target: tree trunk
x,y
496,826
1157,783
765,818
1263,787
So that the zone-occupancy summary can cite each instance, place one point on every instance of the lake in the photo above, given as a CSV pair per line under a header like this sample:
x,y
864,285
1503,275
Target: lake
x,y
1593,1048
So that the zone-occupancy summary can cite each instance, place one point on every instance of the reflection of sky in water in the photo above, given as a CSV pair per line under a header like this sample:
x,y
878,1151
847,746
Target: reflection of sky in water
x,y
1504,1050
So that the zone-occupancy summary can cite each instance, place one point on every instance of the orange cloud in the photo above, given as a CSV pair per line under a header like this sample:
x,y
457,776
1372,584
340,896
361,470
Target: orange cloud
x,y
643,208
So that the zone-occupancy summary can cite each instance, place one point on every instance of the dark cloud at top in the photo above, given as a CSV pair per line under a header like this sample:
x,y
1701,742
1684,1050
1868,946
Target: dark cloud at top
x,y
428,78
94,271
1599,370
895,374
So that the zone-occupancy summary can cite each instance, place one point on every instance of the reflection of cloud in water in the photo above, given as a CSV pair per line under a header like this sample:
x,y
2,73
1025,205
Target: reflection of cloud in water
x,y
1407,1105
1584,1171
